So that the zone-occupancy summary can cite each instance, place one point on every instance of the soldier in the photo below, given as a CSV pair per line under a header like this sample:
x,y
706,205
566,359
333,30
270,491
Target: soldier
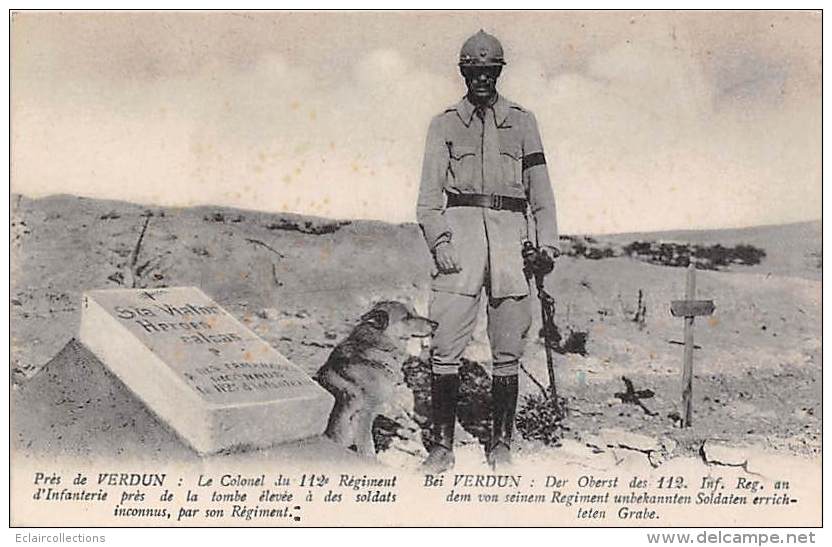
x,y
483,170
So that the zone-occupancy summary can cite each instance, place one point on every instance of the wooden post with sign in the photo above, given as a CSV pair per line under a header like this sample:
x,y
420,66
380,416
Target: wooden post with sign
x,y
689,308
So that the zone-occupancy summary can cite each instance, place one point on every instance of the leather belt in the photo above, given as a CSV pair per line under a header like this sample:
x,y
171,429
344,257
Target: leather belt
x,y
488,201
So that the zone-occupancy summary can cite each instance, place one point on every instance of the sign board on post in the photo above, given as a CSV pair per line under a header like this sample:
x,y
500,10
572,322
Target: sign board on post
x,y
211,379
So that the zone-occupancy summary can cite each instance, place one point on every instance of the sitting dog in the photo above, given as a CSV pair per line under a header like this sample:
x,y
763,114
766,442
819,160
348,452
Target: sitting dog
x,y
363,371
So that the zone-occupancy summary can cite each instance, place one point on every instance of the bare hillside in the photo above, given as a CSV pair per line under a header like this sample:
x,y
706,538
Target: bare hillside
x,y
301,283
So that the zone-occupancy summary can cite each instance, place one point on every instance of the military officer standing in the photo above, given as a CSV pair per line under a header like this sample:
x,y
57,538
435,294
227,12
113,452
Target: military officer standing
x,y
484,171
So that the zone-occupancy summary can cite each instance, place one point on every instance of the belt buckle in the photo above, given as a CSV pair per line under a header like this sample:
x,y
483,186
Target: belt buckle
x,y
496,202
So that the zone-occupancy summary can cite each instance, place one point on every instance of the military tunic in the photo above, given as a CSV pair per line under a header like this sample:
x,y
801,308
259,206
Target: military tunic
x,y
501,154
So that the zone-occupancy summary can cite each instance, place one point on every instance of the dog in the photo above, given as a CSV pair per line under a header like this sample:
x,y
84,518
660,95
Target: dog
x,y
364,370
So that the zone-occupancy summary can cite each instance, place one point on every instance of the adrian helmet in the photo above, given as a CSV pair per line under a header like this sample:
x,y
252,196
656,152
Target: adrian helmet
x,y
481,49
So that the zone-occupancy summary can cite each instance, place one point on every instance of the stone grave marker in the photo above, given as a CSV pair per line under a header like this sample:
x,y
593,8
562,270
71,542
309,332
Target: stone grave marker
x,y
214,381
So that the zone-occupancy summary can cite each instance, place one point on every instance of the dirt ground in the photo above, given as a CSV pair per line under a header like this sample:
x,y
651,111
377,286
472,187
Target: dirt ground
x,y
301,283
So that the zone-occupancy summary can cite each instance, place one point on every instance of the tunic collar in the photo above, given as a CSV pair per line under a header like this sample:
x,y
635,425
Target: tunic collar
x,y
466,110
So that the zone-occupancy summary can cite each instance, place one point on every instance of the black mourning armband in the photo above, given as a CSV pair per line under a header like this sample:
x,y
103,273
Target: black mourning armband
x,y
531,160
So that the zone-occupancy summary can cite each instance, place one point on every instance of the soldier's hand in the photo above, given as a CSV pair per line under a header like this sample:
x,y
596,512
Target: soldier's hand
x,y
446,258
551,252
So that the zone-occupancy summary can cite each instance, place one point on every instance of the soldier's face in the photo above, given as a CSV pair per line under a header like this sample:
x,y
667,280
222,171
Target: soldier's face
x,y
481,81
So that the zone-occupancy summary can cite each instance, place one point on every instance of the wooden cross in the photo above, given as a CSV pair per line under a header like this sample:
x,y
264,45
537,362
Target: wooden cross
x,y
689,309
634,397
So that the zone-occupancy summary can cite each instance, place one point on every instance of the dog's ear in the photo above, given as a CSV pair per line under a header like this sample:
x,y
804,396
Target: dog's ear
x,y
378,319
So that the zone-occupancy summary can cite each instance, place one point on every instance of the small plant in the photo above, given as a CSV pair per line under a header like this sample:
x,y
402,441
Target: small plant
x,y
540,420
575,341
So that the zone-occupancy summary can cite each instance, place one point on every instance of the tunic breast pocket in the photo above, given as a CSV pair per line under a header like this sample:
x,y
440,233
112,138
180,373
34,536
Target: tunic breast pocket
x,y
511,159
463,163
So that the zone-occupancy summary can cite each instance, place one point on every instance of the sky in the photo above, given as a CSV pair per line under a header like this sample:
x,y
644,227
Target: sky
x,y
650,120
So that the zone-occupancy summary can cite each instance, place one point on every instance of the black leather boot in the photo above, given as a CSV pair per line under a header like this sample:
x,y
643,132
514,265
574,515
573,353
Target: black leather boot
x,y
503,405
443,393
